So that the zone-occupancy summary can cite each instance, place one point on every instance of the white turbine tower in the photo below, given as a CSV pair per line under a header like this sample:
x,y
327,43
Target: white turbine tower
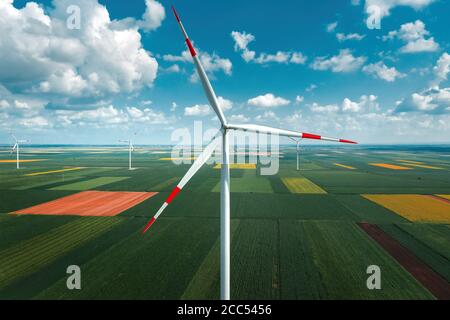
x,y
130,150
16,147
297,141
225,173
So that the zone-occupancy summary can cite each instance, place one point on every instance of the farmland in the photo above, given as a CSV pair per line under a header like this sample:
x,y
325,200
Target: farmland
x,y
295,235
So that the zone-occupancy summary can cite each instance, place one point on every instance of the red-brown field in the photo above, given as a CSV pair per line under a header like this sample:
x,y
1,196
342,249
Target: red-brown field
x,y
431,280
90,203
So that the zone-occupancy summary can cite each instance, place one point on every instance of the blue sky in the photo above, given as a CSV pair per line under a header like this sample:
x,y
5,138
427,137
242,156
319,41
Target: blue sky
x,y
313,66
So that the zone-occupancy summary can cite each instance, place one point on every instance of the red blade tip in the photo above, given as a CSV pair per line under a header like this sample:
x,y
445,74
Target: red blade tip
x,y
176,14
347,141
149,224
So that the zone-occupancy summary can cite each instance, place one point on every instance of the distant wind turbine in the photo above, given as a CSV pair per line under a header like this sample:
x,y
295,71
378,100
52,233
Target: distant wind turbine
x,y
223,138
16,147
130,150
297,141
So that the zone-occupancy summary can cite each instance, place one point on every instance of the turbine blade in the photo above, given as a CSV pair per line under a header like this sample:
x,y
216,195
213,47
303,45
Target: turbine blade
x,y
14,137
286,133
198,163
14,148
209,91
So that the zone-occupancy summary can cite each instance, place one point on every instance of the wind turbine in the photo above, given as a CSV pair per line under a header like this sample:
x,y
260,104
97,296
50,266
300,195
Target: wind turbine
x,y
223,137
130,150
297,141
17,147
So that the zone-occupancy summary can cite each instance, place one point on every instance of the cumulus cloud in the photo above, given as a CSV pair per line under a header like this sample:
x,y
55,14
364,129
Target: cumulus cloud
x,y
101,117
299,99
315,107
331,27
146,115
343,62
212,63
385,6
434,100
197,110
243,39
96,60
267,116
109,116
268,100
366,104
224,104
414,35
351,36
238,118
153,16
442,67
383,72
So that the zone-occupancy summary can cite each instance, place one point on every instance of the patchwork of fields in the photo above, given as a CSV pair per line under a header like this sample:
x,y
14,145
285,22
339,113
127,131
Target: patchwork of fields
x,y
308,234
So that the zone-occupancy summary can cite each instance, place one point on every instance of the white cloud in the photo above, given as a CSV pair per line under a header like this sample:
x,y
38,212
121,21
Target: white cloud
x,y
299,99
173,107
442,67
267,116
101,117
381,71
34,122
351,36
298,58
238,118
173,69
224,104
331,27
385,6
315,107
414,35
343,62
197,110
99,59
146,115
212,63
434,100
153,16
243,39
268,101
366,104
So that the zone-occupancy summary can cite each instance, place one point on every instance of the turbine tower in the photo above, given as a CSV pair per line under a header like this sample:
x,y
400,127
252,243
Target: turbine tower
x,y
16,147
223,138
297,141
130,150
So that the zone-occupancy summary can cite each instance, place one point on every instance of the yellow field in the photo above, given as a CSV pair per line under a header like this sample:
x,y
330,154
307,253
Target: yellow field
x,y
414,207
424,166
22,161
410,161
445,196
245,166
302,185
53,171
389,166
344,166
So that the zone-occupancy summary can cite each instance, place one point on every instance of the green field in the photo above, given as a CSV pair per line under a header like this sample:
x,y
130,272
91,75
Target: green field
x,y
294,234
